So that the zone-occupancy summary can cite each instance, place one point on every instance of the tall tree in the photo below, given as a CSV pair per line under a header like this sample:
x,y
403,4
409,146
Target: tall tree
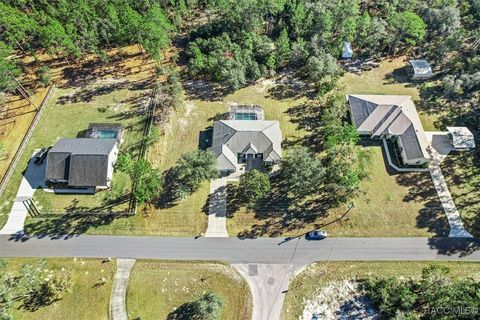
x,y
146,181
254,185
303,172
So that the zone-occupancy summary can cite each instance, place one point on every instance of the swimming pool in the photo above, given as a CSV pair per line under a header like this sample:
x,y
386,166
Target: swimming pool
x,y
245,116
107,134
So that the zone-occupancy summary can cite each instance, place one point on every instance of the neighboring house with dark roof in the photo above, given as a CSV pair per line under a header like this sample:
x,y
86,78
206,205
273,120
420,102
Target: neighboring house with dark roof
x,y
250,143
81,163
394,118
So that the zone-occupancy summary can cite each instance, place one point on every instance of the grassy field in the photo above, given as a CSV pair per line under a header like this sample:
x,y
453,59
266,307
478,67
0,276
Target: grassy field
x,y
158,288
389,78
188,218
390,205
462,174
315,276
87,300
86,94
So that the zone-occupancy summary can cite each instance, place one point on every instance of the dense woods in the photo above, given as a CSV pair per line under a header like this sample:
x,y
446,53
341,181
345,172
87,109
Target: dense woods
x,y
233,42
245,40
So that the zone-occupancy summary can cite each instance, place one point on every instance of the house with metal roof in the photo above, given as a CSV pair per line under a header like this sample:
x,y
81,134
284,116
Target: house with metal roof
x,y
394,118
246,144
81,164
420,69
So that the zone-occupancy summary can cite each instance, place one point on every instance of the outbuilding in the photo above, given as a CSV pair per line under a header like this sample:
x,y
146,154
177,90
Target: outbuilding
x,y
420,69
347,51
461,137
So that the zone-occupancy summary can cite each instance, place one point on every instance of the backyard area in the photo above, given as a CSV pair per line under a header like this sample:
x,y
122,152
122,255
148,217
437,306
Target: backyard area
x,y
157,289
90,94
391,78
89,297
306,286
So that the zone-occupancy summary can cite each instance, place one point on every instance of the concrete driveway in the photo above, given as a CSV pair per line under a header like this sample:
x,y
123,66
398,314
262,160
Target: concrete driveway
x,y
33,178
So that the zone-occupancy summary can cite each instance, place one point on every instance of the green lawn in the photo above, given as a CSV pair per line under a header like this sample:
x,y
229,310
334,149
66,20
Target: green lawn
x,y
87,300
66,116
317,275
158,288
462,174
389,78
188,218
389,205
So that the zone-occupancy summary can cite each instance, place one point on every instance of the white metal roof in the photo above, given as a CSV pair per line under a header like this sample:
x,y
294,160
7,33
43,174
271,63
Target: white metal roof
x,y
462,138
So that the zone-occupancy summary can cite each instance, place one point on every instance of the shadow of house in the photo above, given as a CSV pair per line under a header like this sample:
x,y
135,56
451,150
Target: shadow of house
x,y
205,138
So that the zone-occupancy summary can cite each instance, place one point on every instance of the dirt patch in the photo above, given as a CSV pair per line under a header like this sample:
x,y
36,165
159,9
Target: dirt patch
x,y
342,299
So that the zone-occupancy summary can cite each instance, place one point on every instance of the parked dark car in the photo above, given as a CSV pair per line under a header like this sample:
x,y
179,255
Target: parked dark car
x,y
316,235
41,155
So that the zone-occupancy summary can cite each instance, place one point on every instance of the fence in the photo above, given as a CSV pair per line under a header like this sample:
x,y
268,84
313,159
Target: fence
x,y
26,139
152,106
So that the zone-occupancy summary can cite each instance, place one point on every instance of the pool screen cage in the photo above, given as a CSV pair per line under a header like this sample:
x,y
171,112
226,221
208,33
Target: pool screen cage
x,y
245,109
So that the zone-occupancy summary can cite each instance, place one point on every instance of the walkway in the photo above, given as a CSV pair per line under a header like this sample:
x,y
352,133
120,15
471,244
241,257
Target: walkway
x,y
118,307
440,147
217,211
33,178
269,284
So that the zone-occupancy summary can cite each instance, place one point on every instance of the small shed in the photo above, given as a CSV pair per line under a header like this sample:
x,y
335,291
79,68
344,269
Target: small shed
x,y
461,137
420,69
347,51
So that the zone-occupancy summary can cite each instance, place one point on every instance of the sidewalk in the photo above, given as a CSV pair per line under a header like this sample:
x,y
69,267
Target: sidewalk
x,y
33,178
118,307
217,217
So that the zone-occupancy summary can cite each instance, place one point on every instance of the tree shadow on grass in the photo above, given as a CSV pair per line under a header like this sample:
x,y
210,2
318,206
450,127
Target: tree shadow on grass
x,y
276,213
421,190
288,85
307,117
76,220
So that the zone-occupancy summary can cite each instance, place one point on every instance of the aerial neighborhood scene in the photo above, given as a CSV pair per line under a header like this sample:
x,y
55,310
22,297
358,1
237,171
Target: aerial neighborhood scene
x,y
237,160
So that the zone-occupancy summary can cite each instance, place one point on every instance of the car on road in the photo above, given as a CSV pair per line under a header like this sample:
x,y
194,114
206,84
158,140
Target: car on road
x,y
316,235
40,156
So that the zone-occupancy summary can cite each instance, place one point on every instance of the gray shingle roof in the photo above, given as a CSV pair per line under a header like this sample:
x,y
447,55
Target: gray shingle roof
x,y
379,115
240,135
82,162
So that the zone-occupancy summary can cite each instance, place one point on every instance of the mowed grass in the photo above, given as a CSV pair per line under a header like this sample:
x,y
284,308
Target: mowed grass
x,y
158,288
462,174
88,298
189,216
389,78
388,205
317,275
110,94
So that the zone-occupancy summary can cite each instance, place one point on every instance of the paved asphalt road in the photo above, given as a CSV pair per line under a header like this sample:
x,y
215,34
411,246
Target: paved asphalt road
x,y
233,250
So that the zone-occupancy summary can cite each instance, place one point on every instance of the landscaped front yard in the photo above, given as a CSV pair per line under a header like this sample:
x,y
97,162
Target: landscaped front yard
x,y
389,205
317,276
156,289
462,173
89,297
